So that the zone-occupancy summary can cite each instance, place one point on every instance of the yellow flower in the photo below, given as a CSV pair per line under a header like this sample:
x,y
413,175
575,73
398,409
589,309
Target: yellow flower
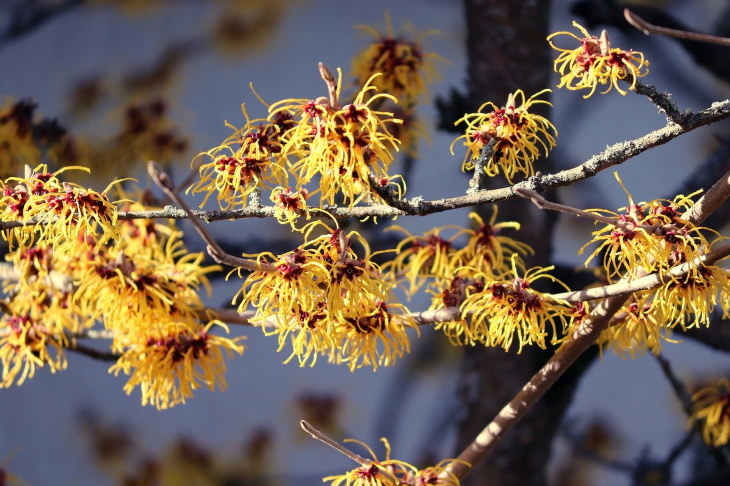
x,y
26,344
486,250
690,300
155,284
639,327
520,135
169,365
372,335
248,160
459,330
289,204
342,145
406,68
648,237
511,306
66,213
595,62
375,472
711,407
16,136
326,300
392,472
421,257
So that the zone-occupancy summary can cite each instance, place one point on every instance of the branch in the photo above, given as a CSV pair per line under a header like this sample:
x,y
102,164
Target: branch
x,y
214,250
663,101
311,430
417,206
478,181
26,17
648,29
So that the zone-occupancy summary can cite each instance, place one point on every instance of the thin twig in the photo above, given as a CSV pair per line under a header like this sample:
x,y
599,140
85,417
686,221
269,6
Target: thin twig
x,y
93,352
163,181
311,430
679,389
543,203
648,29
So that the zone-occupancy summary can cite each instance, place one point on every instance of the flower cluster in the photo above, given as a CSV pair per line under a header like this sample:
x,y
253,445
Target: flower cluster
x,y
249,159
63,213
595,63
393,472
486,281
341,145
134,278
328,301
169,364
653,237
518,135
711,408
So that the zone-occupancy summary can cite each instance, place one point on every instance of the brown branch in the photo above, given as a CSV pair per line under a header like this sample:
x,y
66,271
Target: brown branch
x,y
648,29
163,181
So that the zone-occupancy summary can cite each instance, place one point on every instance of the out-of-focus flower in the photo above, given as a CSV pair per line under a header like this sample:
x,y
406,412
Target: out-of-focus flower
x,y
595,63
711,408
406,68
520,135
27,344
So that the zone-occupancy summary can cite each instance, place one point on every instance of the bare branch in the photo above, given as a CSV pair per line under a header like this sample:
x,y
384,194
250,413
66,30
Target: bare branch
x,y
320,436
648,29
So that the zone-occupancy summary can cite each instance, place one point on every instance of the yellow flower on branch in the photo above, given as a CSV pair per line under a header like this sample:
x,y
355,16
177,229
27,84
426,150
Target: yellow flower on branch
x,y
419,258
249,159
488,251
595,63
328,301
648,237
64,212
639,327
373,335
521,136
341,145
711,408
393,472
289,204
511,306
